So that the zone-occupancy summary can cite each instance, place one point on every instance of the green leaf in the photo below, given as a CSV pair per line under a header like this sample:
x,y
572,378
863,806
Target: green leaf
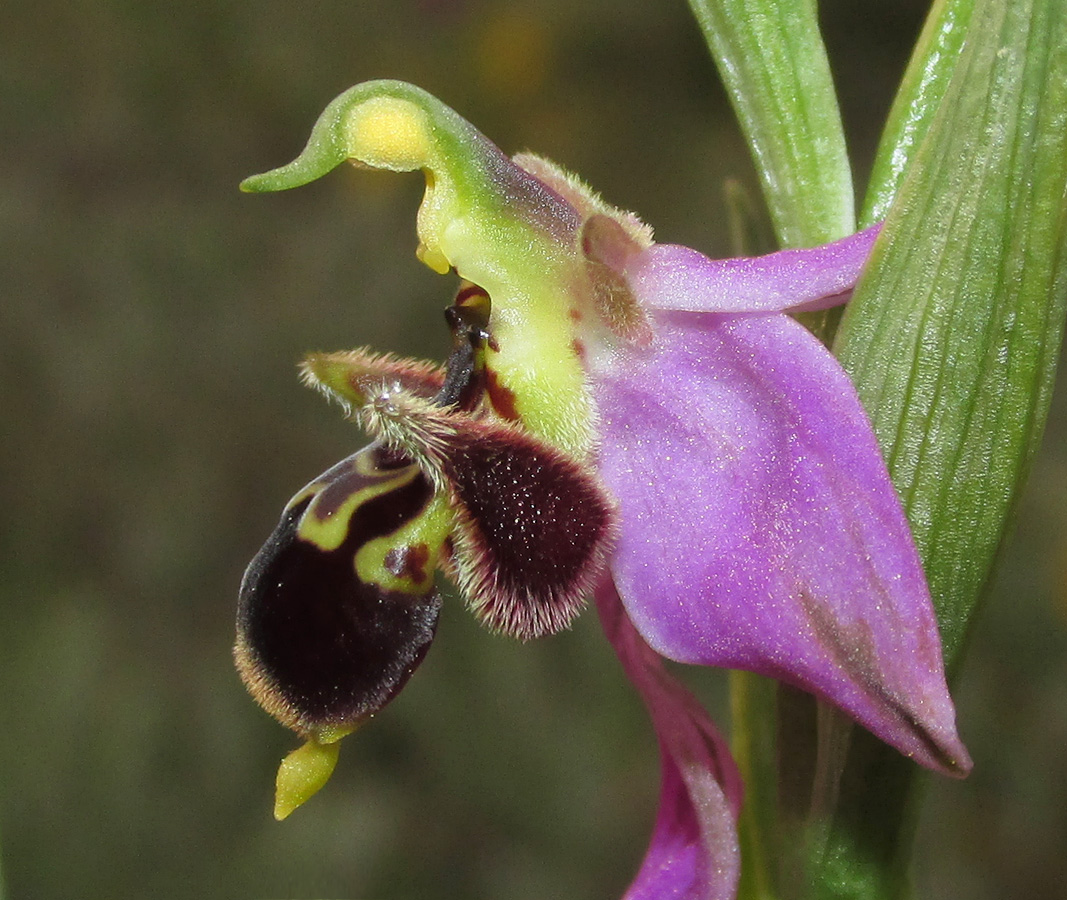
x,y
953,335
952,340
772,60
925,81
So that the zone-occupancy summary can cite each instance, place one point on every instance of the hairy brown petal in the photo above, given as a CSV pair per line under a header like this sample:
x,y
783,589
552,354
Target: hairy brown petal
x,y
534,529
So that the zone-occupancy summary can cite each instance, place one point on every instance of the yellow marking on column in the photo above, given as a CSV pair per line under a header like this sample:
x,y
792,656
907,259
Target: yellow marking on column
x,y
389,133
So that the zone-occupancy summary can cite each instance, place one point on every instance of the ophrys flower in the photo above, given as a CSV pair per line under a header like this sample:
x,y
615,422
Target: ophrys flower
x,y
617,416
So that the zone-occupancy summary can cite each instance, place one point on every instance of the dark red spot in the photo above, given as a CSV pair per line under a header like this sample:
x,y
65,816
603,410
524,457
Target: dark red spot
x,y
409,562
579,349
501,396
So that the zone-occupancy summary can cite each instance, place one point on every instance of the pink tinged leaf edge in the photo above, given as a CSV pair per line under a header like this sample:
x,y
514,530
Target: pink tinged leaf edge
x,y
672,277
760,530
694,852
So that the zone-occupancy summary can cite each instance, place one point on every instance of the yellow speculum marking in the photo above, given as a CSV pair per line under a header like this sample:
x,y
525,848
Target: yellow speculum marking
x,y
430,528
329,533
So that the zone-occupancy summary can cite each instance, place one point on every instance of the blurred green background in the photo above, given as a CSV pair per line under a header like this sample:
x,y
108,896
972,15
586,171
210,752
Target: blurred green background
x,y
153,427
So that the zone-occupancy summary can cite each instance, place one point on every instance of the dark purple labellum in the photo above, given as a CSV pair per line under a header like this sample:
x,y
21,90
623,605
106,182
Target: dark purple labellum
x,y
317,644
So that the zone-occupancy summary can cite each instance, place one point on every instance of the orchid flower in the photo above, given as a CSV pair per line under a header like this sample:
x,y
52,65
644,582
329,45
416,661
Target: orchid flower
x,y
617,417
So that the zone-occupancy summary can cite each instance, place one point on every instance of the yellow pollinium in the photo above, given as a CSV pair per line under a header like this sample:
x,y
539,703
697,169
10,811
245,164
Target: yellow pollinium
x,y
433,258
389,133
304,771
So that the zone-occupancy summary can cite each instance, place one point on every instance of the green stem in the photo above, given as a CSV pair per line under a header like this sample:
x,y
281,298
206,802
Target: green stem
x,y
753,701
